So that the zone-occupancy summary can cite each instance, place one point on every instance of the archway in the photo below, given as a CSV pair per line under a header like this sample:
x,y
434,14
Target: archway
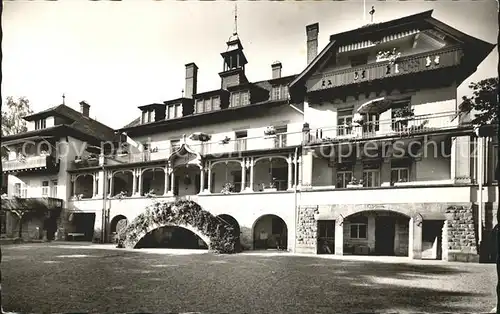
x,y
172,237
231,221
117,224
376,232
270,232
84,186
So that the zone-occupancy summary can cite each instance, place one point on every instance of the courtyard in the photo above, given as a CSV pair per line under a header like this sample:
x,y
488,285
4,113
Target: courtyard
x,y
84,277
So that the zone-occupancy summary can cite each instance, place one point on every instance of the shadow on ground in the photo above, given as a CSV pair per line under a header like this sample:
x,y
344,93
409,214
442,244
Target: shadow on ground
x,y
45,278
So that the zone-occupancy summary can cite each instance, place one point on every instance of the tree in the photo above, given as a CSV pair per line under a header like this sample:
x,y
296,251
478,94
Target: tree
x,y
483,103
12,117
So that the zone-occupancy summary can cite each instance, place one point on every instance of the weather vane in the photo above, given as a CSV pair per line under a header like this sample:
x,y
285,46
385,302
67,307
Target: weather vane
x,y
235,19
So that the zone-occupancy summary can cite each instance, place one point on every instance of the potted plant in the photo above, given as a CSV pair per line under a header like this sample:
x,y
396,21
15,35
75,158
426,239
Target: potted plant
x,y
44,153
78,159
271,187
199,136
357,119
269,131
354,183
227,188
121,195
226,140
403,114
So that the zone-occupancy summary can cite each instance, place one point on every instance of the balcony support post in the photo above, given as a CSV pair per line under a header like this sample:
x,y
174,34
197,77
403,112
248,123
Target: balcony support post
x,y
95,185
139,177
202,179
73,181
209,185
134,181
243,175
172,181
111,184
167,176
252,162
290,163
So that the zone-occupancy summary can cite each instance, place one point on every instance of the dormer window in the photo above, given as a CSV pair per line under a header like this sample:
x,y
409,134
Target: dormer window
x,y
208,104
241,98
279,92
174,111
40,124
148,116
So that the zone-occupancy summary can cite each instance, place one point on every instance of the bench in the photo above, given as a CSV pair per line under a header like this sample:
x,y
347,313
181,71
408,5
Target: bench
x,y
73,235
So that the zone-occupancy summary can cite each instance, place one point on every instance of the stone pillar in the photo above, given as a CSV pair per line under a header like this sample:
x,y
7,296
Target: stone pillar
x,y
250,188
165,170
339,236
134,181
95,185
209,187
202,180
243,175
111,184
415,237
290,164
307,169
139,177
100,183
73,181
461,154
172,181
299,184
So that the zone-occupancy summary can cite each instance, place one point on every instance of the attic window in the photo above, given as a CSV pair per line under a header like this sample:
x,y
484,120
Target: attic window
x,y
40,124
359,60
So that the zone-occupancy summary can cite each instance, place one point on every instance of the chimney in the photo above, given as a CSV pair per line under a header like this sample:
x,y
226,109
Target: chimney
x,y
312,41
84,108
276,68
191,80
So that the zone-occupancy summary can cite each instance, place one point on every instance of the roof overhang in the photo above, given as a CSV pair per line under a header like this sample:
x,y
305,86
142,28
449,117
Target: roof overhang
x,y
35,138
379,105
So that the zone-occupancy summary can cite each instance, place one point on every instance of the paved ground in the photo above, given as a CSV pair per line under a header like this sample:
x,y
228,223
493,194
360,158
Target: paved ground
x,y
53,278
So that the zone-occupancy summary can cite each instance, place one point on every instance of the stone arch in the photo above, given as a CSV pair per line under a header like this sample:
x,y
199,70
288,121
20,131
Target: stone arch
x,y
184,214
270,231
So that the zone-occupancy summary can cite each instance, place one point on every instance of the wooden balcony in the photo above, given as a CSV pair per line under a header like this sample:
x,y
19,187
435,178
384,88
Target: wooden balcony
x,y
31,203
39,163
425,62
415,125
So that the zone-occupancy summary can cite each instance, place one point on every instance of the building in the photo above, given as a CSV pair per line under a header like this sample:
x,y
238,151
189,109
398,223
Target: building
x,y
361,153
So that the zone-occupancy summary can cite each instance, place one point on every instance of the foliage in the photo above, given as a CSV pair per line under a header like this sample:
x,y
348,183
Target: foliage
x,y
12,117
227,188
182,212
483,102
403,112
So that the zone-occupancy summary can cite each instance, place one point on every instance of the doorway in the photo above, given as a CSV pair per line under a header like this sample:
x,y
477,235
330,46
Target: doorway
x,y
432,239
385,231
326,237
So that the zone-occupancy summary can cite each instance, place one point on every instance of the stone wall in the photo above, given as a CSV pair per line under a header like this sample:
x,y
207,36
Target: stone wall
x,y
307,230
462,242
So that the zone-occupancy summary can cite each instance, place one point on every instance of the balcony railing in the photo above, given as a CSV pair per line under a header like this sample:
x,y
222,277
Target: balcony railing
x,y
31,203
405,65
142,156
30,163
411,126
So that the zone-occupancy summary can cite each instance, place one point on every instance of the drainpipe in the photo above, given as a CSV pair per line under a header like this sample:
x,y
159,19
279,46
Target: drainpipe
x,y
104,201
480,183
295,199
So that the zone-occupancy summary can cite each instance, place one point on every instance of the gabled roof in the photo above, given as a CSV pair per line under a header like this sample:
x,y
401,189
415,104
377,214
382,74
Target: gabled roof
x,y
480,48
77,121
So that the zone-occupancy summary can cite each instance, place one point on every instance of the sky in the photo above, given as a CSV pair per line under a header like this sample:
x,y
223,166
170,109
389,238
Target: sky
x,y
121,55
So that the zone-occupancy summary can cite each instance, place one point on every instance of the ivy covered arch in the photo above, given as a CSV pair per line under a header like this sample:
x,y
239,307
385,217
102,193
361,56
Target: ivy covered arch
x,y
215,232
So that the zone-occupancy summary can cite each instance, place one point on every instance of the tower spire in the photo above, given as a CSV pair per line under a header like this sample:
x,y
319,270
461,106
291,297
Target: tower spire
x,y
235,19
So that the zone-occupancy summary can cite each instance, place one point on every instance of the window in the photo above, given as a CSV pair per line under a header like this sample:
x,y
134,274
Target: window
x,y
343,178
344,121
216,103
245,98
241,141
40,124
24,191
240,99
400,174
279,92
235,101
144,117
175,144
358,227
371,178
208,105
280,139
174,111
199,106
371,123
17,189
45,188
53,191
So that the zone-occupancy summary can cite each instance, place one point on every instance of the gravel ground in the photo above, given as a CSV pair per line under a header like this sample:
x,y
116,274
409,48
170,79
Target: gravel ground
x,y
45,278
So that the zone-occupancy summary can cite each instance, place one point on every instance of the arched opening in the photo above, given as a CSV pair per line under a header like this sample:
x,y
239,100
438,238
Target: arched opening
x,y
118,223
270,232
172,237
153,181
227,177
271,174
378,232
123,183
186,180
84,186
230,220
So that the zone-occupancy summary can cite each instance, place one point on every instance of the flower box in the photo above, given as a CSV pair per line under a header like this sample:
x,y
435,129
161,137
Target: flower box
x,y
270,130
354,186
270,190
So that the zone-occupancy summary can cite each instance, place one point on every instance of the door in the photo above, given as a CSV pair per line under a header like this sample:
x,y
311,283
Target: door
x,y
385,230
176,185
326,237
